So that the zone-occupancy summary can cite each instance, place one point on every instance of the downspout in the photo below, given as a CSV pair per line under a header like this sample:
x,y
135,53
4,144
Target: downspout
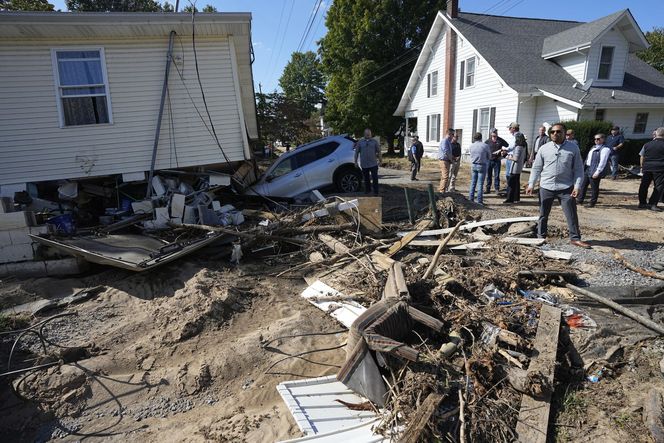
x,y
164,88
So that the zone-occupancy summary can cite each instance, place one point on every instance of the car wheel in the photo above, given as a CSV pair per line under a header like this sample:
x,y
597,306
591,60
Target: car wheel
x,y
348,180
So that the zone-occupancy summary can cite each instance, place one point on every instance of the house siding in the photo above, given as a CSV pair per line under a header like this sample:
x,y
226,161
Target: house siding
x,y
625,118
489,91
574,64
424,105
35,148
551,111
611,38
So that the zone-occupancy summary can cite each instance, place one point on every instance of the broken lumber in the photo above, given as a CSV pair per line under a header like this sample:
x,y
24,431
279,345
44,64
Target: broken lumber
x,y
436,256
334,244
421,418
653,409
618,256
399,244
533,423
519,241
616,307
252,236
473,225
557,255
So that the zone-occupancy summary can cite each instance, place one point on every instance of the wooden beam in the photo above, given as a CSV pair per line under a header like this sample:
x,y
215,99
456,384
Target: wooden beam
x,y
399,244
473,225
420,419
517,240
533,423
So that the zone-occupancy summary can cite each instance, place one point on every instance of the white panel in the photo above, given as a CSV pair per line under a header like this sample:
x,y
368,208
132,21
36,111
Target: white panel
x,y
612,38
35,148
550,111
574,64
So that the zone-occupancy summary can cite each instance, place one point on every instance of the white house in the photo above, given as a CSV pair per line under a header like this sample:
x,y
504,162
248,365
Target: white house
x,y
80,93
478,71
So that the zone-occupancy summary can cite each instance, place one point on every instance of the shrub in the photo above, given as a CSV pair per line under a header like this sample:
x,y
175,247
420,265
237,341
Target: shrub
x,y
585,130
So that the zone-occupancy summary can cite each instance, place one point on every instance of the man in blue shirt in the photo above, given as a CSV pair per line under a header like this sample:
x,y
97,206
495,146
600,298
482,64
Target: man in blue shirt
x,y
615,142
559,168
445,157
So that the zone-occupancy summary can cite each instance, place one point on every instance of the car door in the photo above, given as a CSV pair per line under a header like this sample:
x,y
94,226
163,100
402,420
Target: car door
x,y
320,171
285,179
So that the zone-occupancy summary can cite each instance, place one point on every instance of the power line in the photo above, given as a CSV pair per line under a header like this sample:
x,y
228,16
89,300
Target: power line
x,y
310,23
283,36
313,34
276,37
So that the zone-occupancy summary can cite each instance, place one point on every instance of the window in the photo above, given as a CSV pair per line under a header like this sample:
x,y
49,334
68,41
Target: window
x,y
433,127
605,60
82,87
640,123
599,114
470,72
325,149
284,167
433,84
485,116
305,157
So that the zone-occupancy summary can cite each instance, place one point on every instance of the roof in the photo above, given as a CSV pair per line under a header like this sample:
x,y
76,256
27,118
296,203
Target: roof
x,y
513,48
579,36
36,25
40,26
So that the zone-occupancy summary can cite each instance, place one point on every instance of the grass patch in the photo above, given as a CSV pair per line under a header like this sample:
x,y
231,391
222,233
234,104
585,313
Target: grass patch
x,y
572,414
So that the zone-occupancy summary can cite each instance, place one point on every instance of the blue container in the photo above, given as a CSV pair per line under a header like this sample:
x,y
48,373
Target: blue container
x,y
62,224
125,204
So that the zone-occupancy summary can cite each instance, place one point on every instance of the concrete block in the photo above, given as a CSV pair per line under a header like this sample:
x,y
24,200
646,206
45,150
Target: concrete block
x,y
65,266
141,207
176,220
17,220
220,180
216,205
161,217
177,205
227,208
236,217
189,214
16,253
133,177
6,205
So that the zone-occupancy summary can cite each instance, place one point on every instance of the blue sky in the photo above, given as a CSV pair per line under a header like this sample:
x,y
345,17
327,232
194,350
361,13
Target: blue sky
x,y
279,25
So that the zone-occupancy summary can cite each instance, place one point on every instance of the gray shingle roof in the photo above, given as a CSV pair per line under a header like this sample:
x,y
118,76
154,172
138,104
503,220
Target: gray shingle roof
x,y
513,47
579,35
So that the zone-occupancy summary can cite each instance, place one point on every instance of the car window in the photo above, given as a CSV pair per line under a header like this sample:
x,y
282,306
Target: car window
x,y
305,157
284,167
325,149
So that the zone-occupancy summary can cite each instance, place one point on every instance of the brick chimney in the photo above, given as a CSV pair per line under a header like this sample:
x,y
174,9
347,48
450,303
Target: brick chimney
x,y
453,8
450,67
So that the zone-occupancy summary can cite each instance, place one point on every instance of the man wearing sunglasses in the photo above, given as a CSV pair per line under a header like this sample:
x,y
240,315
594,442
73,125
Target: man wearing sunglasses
x,y
595,170
559,168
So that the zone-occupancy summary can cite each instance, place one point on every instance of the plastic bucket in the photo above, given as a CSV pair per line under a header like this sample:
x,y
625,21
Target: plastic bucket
x,y
62,224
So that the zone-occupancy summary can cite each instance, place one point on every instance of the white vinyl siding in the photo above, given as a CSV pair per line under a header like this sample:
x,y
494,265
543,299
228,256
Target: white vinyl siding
x,y
616,40
421,105
35,148
574,64
489,92
550,111
626,117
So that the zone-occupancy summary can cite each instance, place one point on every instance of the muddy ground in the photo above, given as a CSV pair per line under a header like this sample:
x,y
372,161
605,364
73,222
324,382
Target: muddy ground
x,y
179,355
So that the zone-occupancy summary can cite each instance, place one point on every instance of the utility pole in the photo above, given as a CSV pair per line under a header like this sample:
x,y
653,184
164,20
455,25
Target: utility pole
x,y
260,88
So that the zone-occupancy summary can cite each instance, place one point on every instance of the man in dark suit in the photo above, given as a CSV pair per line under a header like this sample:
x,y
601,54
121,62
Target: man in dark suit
x,y
541,139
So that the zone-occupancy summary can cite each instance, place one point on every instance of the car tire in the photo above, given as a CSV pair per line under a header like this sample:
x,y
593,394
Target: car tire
x,y
348,180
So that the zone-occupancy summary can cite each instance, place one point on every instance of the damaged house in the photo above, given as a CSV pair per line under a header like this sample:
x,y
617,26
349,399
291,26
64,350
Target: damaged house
x,y
95,104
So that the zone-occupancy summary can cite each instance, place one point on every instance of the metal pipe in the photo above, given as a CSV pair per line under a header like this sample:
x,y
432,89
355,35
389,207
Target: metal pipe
x,y
432,204
411,218
164,88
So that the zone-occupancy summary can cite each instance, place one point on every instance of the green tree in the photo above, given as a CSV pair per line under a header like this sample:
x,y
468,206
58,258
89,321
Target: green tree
x,y
209,8
281,118
25,5
302,80
654,55
191,8
167,7
113,5
367,55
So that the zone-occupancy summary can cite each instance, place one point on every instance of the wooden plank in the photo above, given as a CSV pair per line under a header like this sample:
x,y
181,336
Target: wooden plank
x,y
517,240
469,226
334,244
371,213
533,423
399,244
421,418
557,255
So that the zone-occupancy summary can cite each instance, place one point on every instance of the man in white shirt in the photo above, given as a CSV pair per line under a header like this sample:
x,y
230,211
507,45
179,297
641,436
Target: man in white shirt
x,y
594,170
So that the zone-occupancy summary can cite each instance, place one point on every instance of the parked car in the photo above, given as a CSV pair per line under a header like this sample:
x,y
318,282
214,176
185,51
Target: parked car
x,y
316,165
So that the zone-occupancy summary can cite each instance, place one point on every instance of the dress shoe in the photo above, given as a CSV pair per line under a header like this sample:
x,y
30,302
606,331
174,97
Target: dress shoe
x,y
508,201
590,205
656,208
581,244
643,206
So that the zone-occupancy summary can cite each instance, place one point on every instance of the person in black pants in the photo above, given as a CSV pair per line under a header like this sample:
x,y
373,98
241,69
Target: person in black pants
x,y
517,157
595,170
415,152
653,163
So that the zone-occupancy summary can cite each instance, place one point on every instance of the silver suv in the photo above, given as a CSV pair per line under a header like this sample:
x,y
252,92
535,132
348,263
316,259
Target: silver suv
x,y
316,165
